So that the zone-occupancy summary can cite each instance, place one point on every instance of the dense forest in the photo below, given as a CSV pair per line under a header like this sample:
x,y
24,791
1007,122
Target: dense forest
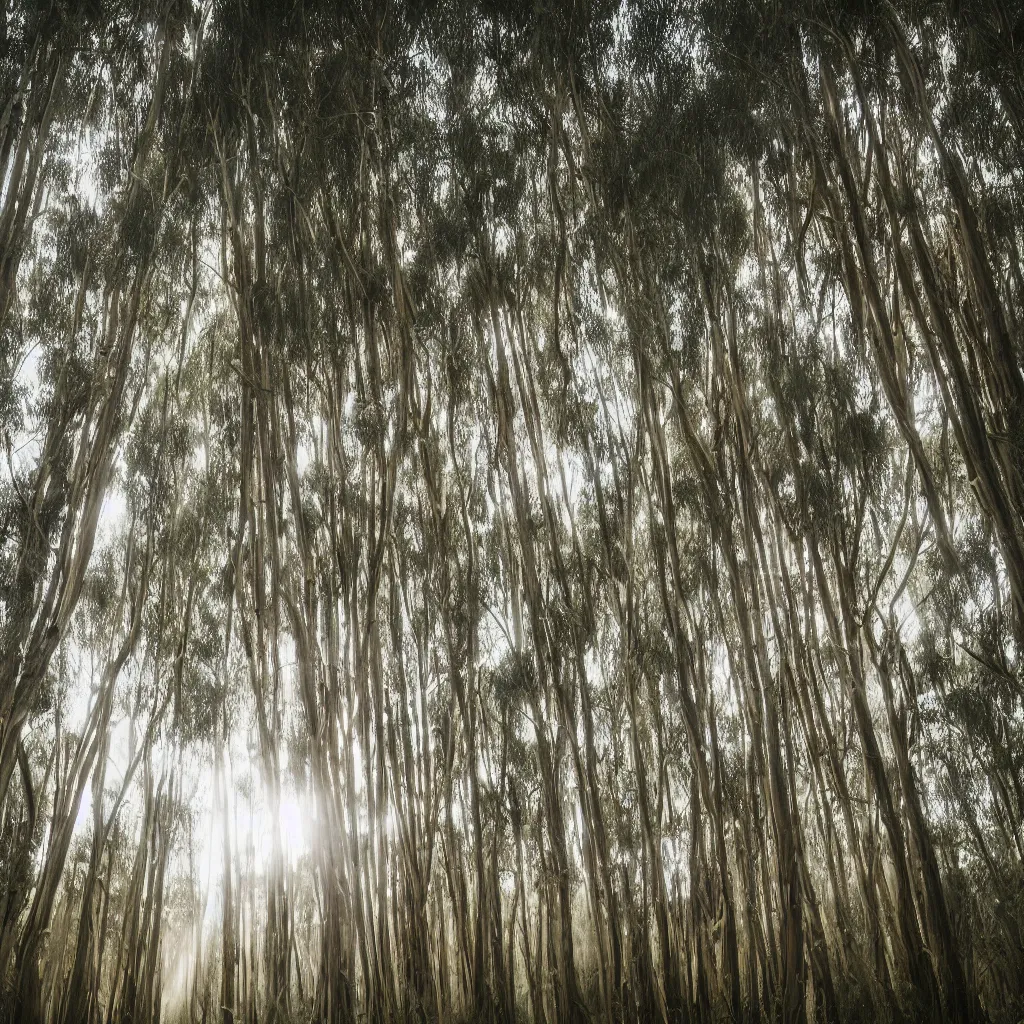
x,y
511,511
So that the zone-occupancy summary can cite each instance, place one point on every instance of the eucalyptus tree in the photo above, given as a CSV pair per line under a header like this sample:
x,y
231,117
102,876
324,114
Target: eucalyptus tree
x,y
571,454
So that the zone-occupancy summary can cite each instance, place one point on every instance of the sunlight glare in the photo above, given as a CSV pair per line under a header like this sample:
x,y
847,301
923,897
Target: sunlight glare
x,y
294,824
